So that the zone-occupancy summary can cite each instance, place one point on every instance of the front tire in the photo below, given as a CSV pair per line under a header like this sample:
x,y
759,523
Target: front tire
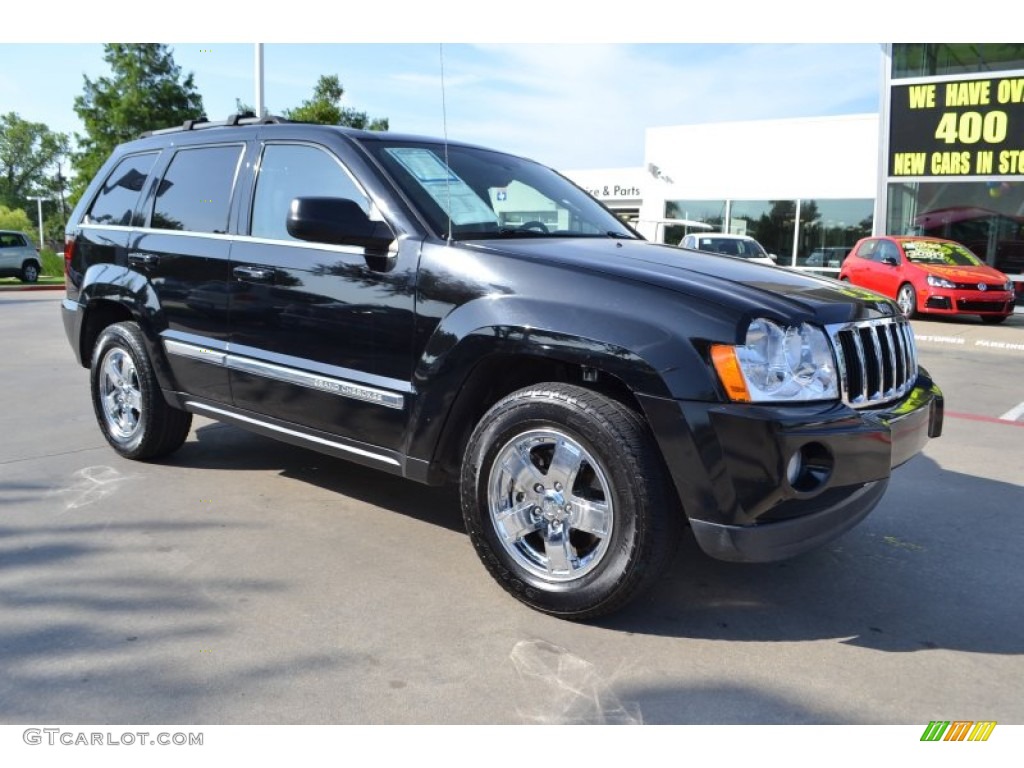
x,y
907,300
565,498
131,411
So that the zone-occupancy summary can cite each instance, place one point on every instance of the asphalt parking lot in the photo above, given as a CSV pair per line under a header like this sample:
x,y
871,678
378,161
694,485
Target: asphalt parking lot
x,y
247,581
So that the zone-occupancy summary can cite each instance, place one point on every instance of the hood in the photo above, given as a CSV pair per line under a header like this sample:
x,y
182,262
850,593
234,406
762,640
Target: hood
x,y
747,287
979,274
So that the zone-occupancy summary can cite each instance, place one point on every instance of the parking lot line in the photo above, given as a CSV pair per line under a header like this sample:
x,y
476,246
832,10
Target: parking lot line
x,y
990,419
1014,413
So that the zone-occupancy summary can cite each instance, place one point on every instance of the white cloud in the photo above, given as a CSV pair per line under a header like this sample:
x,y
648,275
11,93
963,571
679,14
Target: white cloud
x,y
588,105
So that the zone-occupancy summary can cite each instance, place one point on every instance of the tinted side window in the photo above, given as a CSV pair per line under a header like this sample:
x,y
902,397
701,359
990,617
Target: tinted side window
x,y
288,171
11,240
195,192
867,250
119,195
888,250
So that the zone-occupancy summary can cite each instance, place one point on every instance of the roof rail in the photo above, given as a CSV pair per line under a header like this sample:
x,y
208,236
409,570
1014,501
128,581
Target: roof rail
x,y
199,123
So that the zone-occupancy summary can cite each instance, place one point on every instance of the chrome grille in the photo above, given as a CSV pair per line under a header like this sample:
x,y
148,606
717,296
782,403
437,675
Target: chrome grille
x,y
877,360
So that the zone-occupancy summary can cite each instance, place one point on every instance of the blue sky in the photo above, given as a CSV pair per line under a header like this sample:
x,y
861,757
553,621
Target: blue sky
x,y
571,83
575,105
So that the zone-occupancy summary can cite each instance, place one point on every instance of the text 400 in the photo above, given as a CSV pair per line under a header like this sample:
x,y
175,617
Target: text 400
x,y
970,127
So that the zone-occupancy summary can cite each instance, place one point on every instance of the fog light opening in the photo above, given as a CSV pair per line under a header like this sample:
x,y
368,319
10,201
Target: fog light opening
x,y
809,468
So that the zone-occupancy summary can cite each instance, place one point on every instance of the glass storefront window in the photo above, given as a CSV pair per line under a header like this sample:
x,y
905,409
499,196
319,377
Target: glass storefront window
x,y
708,212
928,59
987,217
770,222
829,229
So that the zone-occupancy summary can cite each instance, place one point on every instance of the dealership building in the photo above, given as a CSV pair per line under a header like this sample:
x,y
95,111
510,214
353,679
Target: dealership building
x,y
944,156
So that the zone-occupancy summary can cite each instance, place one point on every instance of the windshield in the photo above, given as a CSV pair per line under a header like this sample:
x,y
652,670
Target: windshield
x,y
945,254
488,194
731,246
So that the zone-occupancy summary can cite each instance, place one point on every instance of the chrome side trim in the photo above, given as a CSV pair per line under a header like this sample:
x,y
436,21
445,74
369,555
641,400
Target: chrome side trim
x,y
351,250
334,386
329,384
293,433
194,352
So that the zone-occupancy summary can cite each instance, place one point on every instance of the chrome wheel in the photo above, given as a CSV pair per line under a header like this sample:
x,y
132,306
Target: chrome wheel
x,y
551,505
907,300
120,394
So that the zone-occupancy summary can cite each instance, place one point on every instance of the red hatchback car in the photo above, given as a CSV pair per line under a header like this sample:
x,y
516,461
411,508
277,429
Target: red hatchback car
x,y
926,274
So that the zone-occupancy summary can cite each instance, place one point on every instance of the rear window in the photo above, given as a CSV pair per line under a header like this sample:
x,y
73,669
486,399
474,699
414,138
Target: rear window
x,y
12,240
118,197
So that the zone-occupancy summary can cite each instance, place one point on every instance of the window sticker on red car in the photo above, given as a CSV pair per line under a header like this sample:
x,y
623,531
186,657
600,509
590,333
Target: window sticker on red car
x,y
929,252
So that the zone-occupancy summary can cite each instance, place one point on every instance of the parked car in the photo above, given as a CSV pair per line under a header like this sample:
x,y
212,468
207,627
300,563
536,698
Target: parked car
x,y
19,257
590,392
930,275
829,256
741,246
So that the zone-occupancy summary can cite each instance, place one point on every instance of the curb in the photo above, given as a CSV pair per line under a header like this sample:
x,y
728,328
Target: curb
x,y
13,288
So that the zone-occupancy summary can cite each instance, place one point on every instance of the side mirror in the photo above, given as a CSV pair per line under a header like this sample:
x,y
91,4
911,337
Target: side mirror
x,y
338,221
892,261
773,257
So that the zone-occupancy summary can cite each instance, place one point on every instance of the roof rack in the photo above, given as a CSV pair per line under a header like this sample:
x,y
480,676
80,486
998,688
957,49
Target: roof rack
x,y
199,123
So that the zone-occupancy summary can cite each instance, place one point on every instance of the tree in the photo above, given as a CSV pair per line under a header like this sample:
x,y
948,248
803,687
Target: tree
x,y
27,153
325,108
144,91
18,220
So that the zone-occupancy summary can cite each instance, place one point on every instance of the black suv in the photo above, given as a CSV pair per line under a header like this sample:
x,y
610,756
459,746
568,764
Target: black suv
x,y
443,313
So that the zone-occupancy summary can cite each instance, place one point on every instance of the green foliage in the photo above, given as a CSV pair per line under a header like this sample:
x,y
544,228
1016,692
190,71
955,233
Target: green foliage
x,y
18,220
325,108
144,91
28,152
53,264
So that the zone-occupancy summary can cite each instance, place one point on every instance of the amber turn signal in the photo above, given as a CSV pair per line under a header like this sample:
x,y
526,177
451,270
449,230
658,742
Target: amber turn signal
x,y
728,368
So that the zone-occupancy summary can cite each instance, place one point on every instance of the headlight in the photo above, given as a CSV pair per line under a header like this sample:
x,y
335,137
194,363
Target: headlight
x,y
940,282
1008,286
787,364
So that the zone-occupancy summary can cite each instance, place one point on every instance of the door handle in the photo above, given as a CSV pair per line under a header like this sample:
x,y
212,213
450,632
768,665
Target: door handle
x,y
254,274
143,259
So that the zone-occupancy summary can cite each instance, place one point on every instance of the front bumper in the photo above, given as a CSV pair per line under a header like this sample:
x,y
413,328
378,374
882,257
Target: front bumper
x,y
746,496
958,301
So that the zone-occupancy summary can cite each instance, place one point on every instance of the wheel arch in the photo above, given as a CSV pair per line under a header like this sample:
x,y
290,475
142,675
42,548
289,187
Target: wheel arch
x,y
458,384
113,294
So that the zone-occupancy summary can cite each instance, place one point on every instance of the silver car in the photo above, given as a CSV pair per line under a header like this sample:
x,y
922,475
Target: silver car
x,y
18,257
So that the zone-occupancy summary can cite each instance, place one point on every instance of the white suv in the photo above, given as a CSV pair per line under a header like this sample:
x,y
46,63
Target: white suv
x,y
18,257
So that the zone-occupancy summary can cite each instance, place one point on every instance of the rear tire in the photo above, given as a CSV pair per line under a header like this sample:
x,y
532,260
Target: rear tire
x,y
131,411
565,499
29,272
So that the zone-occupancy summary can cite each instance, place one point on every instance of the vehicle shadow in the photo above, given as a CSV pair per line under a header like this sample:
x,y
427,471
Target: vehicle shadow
x,y
222,446
934,566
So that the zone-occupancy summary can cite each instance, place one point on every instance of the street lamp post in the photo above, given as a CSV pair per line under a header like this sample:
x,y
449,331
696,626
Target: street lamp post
x,y
261,108
39,204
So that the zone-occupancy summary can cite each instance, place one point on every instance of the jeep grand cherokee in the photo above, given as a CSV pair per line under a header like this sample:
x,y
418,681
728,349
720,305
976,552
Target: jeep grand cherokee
x,y
446,313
